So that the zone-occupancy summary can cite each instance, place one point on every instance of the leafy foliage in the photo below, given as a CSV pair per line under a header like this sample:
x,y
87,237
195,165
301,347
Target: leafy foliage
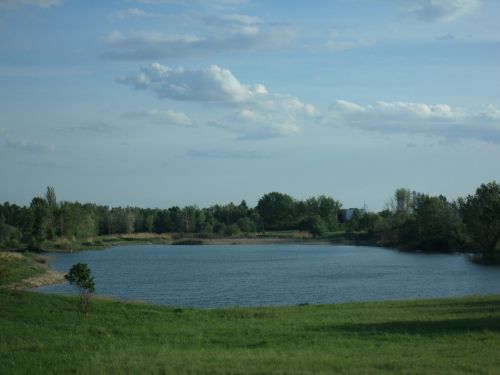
x,y
80,276
481,213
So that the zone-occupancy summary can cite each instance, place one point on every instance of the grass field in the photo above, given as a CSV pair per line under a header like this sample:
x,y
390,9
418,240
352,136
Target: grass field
x,y
45,334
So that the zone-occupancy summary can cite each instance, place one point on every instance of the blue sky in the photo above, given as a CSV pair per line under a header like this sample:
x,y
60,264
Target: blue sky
x,y
157,103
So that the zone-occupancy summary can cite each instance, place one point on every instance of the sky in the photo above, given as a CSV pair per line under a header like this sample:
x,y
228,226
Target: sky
x,y
156,103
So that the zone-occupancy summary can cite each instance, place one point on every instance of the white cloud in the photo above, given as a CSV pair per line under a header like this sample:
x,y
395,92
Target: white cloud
x,y
167,117
223,154
95,127
131,13
210,3
234,32
259,124
440,10
33,147
212,84
439,120
345,39
38,3
255,112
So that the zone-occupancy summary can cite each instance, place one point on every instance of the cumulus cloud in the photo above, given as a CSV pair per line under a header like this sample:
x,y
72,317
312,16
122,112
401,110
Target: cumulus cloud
x,y
234,32
440,10
38,3
212,84
167,117
256,113
33,147
419,118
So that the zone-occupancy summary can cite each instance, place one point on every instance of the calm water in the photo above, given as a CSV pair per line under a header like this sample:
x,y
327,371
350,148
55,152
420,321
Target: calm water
x,y
263,275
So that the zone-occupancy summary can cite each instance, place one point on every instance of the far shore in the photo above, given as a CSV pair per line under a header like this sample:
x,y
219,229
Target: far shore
x,y
268,238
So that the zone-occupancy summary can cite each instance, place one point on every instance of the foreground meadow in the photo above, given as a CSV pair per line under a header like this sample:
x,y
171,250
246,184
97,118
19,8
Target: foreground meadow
x,y
46,334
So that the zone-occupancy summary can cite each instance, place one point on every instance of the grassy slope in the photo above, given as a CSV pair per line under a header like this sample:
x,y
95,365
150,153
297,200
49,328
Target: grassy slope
x,y
43,334
15,267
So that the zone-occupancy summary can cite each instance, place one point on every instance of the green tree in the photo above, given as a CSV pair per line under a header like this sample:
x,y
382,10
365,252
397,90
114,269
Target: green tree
x,y
369,221
276,210
437,225
80,276
314,224
50,197
355,223
41,223
404,201
481,214
247,225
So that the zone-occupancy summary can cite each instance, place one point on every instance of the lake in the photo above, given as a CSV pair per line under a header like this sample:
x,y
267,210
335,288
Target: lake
x,y
270,275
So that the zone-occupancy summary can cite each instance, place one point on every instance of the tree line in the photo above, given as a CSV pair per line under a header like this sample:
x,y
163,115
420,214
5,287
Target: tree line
x,y
47,219
411,220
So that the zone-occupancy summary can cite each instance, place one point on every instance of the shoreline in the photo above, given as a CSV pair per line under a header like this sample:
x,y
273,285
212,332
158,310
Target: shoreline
x,y
108,241
47,276
50,277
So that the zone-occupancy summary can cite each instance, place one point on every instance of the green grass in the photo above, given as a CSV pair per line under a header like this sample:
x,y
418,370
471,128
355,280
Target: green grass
x,y
45,334
15,267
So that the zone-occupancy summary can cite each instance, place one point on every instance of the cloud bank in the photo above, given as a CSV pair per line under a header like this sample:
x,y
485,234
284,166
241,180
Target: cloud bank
x,y
165,117
235,32
131,13
441,10
439,120
33,147
38,3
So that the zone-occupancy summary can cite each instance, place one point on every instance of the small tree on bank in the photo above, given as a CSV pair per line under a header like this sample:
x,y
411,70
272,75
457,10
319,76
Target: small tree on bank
x,y
80,276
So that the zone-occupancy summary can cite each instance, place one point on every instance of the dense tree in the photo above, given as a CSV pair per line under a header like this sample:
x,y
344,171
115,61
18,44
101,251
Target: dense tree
x,y
325,207
438,226
314,224
355,223
481,214
9,234
411,220
41,223
276,210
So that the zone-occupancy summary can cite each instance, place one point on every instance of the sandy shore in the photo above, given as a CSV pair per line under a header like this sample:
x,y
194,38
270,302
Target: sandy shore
x,y
50,277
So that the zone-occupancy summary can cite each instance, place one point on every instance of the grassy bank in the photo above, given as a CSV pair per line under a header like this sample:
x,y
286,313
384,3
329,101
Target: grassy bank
x,y
16,267
26,270
43,334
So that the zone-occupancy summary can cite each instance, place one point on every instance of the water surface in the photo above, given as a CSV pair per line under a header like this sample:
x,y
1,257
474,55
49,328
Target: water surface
x,y
269,275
